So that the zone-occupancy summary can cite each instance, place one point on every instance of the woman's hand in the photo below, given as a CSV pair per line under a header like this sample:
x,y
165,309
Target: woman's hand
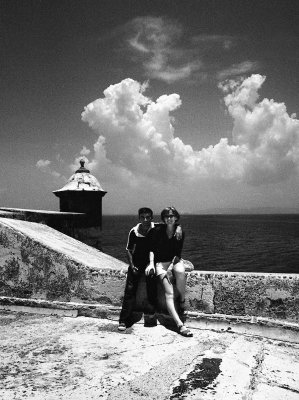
x,y
150,270
178,232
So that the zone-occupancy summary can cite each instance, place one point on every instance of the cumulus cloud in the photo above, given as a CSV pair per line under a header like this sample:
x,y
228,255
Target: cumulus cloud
x,y
44,166
137,143
266,132
85,151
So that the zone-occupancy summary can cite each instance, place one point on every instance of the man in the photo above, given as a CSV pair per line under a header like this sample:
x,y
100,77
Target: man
x,y
138,257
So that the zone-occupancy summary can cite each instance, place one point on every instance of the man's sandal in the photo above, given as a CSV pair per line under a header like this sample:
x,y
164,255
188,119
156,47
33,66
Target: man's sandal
x,y
121,327
184,331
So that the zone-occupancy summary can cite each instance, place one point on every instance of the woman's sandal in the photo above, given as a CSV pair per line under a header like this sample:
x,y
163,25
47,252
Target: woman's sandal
x,y
184,331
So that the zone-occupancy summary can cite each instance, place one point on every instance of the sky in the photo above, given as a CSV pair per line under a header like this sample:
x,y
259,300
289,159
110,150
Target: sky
x,y
186,103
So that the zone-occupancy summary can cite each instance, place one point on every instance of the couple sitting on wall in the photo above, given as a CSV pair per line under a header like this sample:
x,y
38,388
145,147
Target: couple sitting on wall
x,y
155,249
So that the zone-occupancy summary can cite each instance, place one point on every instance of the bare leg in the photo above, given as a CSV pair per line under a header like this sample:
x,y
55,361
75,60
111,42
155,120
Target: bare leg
x,y
170,300
180,277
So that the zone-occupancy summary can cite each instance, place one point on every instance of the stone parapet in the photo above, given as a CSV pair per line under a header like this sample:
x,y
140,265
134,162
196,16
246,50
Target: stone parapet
x,y
79,226
242,293
37,262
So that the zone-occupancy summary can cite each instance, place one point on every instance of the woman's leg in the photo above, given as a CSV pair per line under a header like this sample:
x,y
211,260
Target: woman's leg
x,y
168,288
180,277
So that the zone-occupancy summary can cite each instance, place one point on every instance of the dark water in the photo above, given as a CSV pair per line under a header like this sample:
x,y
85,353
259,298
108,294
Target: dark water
x,y
252,243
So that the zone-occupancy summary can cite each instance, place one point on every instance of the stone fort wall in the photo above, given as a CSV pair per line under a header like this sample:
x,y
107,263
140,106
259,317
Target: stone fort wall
x,y
38,262
79,226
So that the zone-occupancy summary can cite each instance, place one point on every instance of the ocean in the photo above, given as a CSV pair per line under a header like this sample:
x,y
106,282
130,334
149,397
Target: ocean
x,y
245,243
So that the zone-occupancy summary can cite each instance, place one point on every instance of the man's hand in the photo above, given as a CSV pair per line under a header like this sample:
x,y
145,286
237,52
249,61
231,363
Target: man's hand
x,y
134,269
178,232
150,270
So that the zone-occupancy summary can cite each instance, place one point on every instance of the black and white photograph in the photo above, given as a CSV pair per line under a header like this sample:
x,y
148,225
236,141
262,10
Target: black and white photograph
x,y
149,199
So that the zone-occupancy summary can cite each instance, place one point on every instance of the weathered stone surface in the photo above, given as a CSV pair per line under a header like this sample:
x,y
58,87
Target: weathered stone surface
x,y
39,262
50,358
239,293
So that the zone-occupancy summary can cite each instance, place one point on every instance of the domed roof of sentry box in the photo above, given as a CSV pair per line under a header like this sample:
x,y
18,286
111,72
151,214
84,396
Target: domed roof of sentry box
x,y
81,180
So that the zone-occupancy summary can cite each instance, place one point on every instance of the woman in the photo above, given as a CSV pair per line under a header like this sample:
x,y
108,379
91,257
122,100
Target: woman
x,y
165,260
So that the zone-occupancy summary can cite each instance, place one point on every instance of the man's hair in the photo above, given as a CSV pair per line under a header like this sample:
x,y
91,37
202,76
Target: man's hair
x,y
145,210
169,210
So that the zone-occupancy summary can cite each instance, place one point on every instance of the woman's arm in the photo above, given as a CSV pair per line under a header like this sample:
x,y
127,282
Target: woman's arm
x,y
179,247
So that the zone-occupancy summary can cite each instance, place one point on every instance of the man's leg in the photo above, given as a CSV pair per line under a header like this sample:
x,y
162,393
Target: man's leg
x,y
129,296
150,319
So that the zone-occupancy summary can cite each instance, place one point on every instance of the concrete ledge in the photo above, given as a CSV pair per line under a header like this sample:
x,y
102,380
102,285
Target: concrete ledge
x,y
41,310
261,327
83,309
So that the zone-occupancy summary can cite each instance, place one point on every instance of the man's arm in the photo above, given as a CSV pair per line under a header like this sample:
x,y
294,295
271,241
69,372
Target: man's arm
x,y
130,260
150,269
130,250
151,265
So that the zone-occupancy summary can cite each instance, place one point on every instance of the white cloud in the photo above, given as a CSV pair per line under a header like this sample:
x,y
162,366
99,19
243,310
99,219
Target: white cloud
x,y
136,137
242,68
225,41
168,52
44,166
137,150
171,74
157,40
85,151
43,163
269,136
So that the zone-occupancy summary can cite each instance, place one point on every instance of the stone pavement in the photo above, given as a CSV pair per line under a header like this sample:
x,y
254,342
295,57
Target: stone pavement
x,y
49,358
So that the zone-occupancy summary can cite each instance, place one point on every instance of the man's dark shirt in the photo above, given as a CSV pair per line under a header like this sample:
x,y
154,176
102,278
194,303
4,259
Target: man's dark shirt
x,y
138,245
